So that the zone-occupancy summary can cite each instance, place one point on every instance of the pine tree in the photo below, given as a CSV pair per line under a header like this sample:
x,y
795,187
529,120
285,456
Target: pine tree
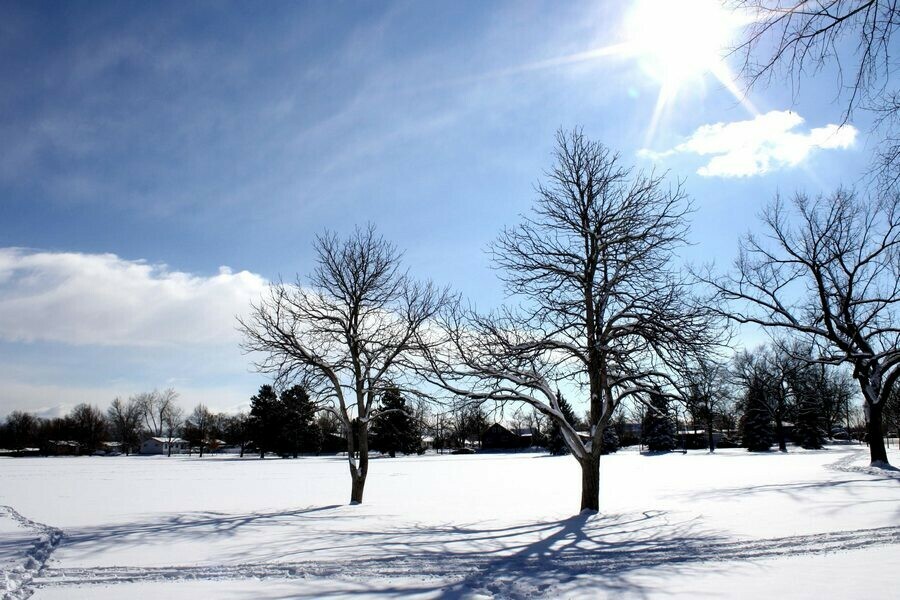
x,y
395,430
299,430
265,419
556,445
809,424
658,428
610,440
756,423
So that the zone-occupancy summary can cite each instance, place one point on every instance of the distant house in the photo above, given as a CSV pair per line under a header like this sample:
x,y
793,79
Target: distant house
x,y
160,445
498,437
61,448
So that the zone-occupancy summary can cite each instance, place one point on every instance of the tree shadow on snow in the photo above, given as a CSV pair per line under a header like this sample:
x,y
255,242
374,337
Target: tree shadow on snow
x,y
522,560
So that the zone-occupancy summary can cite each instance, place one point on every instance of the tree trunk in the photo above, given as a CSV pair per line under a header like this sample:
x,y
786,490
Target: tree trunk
x,y
709,433
242,449
358,472
877,451
590,483
779,432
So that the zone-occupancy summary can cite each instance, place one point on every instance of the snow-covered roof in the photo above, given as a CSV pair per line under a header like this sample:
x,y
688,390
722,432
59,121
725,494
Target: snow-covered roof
x,y
165,440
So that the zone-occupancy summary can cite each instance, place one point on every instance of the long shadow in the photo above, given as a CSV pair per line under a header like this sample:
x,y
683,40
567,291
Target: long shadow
x,y
453,560
529,559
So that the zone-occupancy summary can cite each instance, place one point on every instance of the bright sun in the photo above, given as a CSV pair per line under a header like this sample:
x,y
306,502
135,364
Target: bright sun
x,y
676,41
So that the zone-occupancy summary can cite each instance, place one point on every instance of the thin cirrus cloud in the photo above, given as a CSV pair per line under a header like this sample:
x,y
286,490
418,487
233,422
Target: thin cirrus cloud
x,y
766,143
102,299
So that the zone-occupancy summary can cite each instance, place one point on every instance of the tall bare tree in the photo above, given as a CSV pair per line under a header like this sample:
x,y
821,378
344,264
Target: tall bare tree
x,y
603,310
828,271
348,332
155,406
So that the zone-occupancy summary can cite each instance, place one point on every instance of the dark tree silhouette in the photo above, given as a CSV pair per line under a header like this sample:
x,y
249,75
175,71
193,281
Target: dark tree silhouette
x,y
299,430
556,443
395,429
125,423
658,426
756,422
265,419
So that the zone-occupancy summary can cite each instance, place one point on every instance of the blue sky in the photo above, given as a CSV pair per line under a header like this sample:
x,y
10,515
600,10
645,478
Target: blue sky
x,y
160,161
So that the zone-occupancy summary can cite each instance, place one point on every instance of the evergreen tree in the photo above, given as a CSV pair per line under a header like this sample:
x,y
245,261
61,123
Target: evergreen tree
x,y
394,429
265,419
809,423
556,445
299,429
756,423
658,428
610,440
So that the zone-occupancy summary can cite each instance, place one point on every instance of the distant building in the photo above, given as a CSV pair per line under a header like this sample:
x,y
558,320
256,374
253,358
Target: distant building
x,y
160,445
498,437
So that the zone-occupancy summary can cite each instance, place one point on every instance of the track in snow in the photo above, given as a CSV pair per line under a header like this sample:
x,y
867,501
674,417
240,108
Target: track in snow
x,y
525,568
455,566
17,582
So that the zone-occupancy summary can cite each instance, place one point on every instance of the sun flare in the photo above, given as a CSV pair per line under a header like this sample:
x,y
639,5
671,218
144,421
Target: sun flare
x,y
680,43
677,41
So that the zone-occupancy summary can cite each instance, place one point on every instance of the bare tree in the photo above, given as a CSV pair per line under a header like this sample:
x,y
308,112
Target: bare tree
x,y
770,368
704,389
125,419
603,311
199,427
348,333
854,36
172,422
830,273
155,406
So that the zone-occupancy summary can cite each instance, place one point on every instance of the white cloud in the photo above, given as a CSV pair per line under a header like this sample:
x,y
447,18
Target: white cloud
x,y
101,299
765,143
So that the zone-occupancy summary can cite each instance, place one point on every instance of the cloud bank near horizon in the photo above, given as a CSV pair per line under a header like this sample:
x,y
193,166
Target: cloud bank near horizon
x,y
103,299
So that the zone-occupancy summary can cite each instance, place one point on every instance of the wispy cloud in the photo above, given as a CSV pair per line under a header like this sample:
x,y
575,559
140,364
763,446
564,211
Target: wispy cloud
x,y
102,299
766,143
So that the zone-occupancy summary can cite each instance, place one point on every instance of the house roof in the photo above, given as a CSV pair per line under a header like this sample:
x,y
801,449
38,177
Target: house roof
x,y
165,440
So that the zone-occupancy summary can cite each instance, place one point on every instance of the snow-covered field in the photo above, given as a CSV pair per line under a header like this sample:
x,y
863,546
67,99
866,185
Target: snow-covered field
x,y
736,525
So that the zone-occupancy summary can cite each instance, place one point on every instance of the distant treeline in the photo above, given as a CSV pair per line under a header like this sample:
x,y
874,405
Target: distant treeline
x,y
762,398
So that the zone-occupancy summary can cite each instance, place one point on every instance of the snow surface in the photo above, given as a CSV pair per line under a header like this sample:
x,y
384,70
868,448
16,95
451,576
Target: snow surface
x,y
733,524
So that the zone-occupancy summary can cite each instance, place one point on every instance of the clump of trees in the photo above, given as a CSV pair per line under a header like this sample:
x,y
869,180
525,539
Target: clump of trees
x,y
826,274
285,424
396,429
